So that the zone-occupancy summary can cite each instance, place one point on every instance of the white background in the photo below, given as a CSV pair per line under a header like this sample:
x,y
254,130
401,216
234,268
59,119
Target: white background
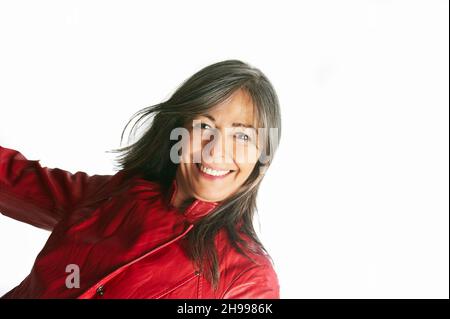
x,y
356,203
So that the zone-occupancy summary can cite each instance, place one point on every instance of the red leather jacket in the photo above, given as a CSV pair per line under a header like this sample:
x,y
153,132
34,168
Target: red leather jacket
x,y
122,234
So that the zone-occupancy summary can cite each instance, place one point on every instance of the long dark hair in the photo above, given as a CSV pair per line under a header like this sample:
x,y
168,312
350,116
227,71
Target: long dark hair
x,y
149,156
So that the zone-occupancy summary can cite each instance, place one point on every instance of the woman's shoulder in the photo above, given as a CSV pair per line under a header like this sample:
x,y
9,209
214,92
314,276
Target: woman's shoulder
x,y
249,275
257,281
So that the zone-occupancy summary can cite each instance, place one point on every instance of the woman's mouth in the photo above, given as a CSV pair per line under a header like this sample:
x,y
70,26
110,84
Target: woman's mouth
x,y
212,173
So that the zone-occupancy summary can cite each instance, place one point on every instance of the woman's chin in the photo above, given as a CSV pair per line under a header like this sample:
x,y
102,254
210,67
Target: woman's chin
x,y
209,196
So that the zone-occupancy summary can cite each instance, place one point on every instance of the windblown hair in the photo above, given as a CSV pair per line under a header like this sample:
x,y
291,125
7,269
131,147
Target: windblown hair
x,y
149,156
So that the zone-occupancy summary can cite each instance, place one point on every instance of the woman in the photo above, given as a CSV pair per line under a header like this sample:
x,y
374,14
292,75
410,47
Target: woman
x,y
176,220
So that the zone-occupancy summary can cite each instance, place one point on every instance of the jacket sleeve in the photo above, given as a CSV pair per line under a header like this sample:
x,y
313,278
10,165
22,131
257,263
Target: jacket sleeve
x,y
259,282
37,195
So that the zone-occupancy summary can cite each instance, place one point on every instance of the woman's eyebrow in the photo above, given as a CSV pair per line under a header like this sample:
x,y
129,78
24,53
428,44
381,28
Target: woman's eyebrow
x,y
210,117
243,125
234,124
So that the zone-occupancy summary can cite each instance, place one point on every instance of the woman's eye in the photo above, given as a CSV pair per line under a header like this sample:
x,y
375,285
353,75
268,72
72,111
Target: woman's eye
x,y
203,126
243,137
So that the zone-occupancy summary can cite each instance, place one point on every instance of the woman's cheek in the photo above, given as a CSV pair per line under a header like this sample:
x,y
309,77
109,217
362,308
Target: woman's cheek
x,y
246,155
190,152
243,172
186,153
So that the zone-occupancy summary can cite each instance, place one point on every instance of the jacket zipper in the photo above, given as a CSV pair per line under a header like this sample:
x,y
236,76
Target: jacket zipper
x,y
91,291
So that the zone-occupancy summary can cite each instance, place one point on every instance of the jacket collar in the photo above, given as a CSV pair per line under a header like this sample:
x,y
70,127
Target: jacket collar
x,y
196,210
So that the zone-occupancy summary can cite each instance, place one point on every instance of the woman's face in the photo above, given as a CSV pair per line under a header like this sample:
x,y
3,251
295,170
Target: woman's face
x,y
221,152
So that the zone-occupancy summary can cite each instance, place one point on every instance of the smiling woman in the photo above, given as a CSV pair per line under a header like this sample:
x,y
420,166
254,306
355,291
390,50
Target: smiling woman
x,y
165,225
222,165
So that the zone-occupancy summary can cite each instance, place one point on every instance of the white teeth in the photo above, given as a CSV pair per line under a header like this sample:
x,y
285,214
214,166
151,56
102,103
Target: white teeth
x,y
212,172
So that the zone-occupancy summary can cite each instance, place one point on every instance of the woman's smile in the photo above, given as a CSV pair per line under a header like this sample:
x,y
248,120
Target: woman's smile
x,y
209,172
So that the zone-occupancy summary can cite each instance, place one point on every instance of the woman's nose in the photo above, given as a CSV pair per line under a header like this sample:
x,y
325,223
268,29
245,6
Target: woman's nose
x,y
219,149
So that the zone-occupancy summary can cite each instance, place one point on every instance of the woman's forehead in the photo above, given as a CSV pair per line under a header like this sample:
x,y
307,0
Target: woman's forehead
x,y
237,109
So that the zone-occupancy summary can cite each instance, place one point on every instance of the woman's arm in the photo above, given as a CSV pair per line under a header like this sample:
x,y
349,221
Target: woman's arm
x,y
37,195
